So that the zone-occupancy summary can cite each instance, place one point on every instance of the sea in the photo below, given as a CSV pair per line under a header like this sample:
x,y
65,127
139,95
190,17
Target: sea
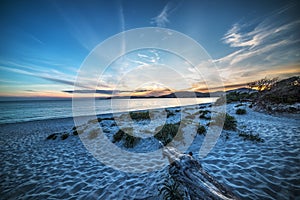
x,y
22,111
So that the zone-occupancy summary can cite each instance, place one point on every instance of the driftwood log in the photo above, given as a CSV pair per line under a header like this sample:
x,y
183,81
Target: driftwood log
x,y
192,180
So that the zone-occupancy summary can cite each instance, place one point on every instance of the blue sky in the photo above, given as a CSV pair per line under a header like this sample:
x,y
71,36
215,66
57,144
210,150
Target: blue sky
x,y
44,43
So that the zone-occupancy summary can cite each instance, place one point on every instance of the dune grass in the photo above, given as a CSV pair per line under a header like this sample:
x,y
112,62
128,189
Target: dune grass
x,y
230,122
140,115
201,130
241,111
167,133
129,140
251,137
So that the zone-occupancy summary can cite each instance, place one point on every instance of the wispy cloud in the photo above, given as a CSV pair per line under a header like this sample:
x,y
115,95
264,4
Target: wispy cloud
x,y
162,19
235,38
261,47
107,92
43,73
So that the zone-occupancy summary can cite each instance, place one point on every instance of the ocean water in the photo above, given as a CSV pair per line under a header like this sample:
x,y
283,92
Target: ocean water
x,y
21,111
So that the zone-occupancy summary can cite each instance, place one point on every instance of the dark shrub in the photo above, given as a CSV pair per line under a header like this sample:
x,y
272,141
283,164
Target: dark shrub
x,y
239,105
130,141
118,136
167,133
75,132
139,115
74,129
203,114
251,137
241,111
64,136
235,97
170,113
230,122
201,130
227,136
52,136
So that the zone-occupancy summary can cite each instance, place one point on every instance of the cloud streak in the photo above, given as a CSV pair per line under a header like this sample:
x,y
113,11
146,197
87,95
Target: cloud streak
x,y
39,73
162,19
106,92
260,47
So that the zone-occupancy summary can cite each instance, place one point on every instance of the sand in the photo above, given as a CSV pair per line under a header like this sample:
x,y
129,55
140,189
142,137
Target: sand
x,y
35,168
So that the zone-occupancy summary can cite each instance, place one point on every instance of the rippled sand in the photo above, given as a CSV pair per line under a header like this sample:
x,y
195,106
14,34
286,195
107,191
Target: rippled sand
x,y
35,168
269,170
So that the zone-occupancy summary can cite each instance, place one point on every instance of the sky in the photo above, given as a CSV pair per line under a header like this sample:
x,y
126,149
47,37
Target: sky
x,y
46,45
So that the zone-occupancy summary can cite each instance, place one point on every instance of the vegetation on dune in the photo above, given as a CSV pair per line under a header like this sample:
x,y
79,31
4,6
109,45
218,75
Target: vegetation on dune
x,y
52,136
64,136
170,190
282,92
139,115
263,84
267,94
118,136
203,114
230,122
251,137
170,113
167,133
129,140
240,111
93,121
235,96
201,130
74,130
277,96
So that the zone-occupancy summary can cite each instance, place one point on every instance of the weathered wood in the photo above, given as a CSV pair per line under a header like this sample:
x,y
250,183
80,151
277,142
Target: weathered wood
x,y
194,182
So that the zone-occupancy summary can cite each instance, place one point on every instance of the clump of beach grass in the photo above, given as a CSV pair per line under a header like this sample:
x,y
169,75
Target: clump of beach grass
x,y
201,130
167,133
230,122
241,111
129,140
251,137
203,114
139,115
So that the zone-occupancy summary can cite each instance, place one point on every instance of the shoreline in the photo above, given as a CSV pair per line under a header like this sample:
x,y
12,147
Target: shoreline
x,y
103,114
275,114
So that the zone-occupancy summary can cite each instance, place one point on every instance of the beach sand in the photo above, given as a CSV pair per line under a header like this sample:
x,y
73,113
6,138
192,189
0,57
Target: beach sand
x,y
35,168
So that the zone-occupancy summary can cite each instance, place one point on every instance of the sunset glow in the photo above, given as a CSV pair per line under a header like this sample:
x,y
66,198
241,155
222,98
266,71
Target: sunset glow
x,y
44,44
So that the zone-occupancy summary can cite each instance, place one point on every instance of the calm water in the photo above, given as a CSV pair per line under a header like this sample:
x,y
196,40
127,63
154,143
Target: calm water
x,y
20,111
